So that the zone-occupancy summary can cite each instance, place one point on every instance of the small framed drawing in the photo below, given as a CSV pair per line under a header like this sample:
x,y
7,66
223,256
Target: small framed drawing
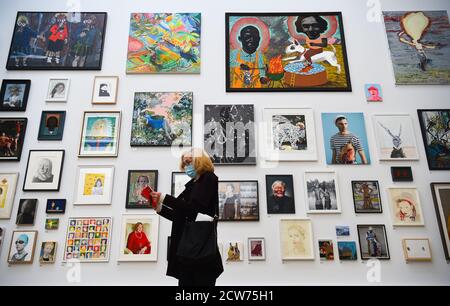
x,y
8,185
322,193
100,134
179,179
140,184
416,249
44,170
105,90
14,95
256,249
22,247
326,249
366,197
290,134
88,239
406,209
139,238
296,239
238,201
373,92
395,137
280,194
347,250
234,251
95,185
12,130
373,243
26,212
48,252
441,199
51,224
55,206
58,90
52,125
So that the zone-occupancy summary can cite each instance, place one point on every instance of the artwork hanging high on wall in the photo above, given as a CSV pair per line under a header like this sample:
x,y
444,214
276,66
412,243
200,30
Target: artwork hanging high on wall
x,y
52,125
373,92
14,95
435,127
347,250
26,212
286,52
100,134
94,185
326,249
441,199
280,194
229,134
290,134
88,239
322,193
8,185
105,89
179,180
417,45
56,206
58,90
256,249
406,209
234,251
57,41
296,239
345,139
12,136
139,238
48,252
417,249
396,139
164,43
238,201
140,184
373,243
44,169
22,247
162,119
366,197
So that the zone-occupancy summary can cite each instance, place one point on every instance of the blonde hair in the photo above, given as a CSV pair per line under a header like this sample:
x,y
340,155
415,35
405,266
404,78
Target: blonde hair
x,y
200,159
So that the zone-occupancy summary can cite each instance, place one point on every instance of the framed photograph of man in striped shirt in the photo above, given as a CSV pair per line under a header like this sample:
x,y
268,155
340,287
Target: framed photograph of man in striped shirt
x,y
345,139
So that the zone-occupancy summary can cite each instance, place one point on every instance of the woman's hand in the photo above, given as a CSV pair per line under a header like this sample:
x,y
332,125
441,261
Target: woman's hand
x,y
156,198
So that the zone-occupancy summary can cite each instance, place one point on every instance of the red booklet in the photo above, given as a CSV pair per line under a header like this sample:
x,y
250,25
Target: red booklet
x,y
146,193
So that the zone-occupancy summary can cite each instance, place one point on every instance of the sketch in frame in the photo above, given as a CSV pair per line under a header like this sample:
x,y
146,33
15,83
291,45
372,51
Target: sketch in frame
x,y
48,252
44,170
441,199
280,194
234,251
238,201
179,180
373,92
52,125
14,95
405,206
366,197
94,185
56,206
417,249
22,247
326,249
347,250
229,134
26,212
140,184
256,249
105,89
296,239
8,185
12,136
373,241
322,192
58,90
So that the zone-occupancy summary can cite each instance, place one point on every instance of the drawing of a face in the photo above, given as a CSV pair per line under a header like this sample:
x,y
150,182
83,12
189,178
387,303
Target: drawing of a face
x,y
406,208
296,236
45,168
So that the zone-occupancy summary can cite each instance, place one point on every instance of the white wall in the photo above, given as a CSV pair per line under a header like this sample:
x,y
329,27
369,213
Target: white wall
x,y
369,61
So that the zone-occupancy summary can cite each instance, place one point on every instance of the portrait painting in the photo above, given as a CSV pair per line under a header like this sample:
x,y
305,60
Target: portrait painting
x,y
8,185
441,199
26,212
94,185
326,249
58,90
14,95
322,192
52,125
405,206
296,239
140,184
347,250
280,194
179,180
48,252
22,248
238,201
44,170
12,136
234,251
373,92
373,243
105,90
366,197
56,206
256,249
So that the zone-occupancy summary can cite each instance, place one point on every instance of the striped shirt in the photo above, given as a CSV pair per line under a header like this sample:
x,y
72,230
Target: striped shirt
x,y
337,141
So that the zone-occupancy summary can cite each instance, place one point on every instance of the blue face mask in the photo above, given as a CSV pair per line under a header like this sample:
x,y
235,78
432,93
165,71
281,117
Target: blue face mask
x,y
190,171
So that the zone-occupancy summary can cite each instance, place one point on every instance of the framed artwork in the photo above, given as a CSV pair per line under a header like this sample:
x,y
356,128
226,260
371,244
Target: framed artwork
x,y
105,90
162,119
44,169
238,201
256,249
296,239
347,250
234,251
55,206
14,95
395,137
140,184
164,43
12,136
57,41
139,238
179,179
326,249
342,230
280,194
48,252
52,125
51,224
22,247
441,198
88,239
401,174
273,52
94,185
345,139
366,197
100,134
290,134
2,237
8,185
26,212
322,193
58,90
435,127
417,54
373,92
406,209
373,243
229,134
416,249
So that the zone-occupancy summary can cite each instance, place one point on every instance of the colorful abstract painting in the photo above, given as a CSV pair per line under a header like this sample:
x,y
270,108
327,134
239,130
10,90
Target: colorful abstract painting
x,y
164,43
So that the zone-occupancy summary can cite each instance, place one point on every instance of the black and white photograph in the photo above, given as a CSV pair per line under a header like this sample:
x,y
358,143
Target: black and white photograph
x,y
26,212
373,242
280,194
229,134
14,95
238,201
22,247
44,170
58,90
105,90
322,193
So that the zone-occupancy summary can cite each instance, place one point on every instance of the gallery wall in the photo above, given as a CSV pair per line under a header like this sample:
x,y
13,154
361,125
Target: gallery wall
x,y
369,62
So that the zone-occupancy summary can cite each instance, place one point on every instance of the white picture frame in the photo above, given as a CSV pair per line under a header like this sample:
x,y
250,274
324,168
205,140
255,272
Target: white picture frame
x,y
8,182
405,207
105,89
256,248
417,249
88,191
58,90
315,187
296,239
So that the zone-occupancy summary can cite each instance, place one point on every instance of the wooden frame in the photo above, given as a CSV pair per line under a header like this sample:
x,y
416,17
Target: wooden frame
x,y
283,244
410,258
114,101
7,199
441,215
33,248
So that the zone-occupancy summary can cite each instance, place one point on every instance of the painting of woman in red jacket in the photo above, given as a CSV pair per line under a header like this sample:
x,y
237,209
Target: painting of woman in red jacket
x,y
138,242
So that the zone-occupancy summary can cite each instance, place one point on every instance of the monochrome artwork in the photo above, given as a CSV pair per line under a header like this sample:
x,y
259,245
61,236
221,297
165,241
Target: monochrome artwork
x,y
322,192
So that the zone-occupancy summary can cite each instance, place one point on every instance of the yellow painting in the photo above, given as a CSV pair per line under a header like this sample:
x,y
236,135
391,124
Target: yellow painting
x,y
3,192
94,184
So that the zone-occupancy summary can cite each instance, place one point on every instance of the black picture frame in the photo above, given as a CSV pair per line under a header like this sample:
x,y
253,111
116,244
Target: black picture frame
x,y
61,203
443,231
360,211
27,218
432,163
11,127
25,188
242,211
11,64
26,91
172,184
270,179
383,227
44,125
401,174
145,204
345,69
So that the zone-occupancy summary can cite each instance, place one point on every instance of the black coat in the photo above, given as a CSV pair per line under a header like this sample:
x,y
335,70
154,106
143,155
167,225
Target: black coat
x,y
199,196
